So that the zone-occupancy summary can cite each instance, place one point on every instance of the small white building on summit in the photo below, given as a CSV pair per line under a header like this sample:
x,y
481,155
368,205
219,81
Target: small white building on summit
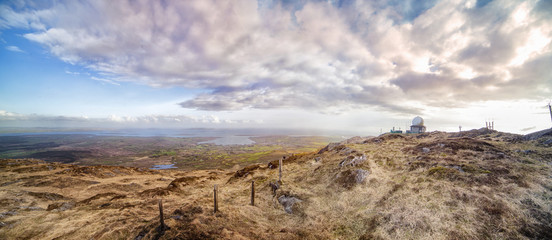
x,y
417,125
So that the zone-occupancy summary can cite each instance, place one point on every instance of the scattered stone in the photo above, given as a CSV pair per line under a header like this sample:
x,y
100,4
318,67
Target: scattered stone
x,y
288,202
317,159
275,186
458,168
426,150
8,213
272,165
32,208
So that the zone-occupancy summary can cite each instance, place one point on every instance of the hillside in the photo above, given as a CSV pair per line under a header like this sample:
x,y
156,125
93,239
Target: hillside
x,y
478,184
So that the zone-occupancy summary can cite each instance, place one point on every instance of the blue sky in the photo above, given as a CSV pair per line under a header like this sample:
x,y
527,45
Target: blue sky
x,y
35,82
338,65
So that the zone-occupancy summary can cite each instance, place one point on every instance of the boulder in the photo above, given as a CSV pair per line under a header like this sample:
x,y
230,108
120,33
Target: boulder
x,y
349,178
288,201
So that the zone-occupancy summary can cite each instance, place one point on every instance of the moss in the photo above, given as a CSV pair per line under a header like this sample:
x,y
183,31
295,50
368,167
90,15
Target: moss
x,y
442,172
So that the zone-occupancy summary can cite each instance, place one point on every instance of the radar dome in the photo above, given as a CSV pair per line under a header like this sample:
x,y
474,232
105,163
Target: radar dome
x,y
418,121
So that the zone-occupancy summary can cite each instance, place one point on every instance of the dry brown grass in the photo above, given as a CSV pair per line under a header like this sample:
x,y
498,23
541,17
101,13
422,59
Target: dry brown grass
x,y
462,188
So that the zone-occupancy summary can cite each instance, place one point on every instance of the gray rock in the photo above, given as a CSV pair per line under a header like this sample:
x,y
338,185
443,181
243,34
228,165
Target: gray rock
x,y
8,213
360,175
274,186
329,147
287,202
350,178
32,208
528,151
353,160
457,168
426,150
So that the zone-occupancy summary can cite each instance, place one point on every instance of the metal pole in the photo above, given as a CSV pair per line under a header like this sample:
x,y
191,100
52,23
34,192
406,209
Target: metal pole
x,y
550,109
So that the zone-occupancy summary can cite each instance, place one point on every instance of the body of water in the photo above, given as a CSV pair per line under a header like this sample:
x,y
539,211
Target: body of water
x,y
230,140
163,166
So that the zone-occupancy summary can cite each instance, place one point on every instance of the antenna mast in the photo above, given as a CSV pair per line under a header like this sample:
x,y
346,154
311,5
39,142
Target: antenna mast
x,y
550,109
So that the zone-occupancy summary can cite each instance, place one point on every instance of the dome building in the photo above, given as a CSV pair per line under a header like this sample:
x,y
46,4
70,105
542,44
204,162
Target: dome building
x,y
417,125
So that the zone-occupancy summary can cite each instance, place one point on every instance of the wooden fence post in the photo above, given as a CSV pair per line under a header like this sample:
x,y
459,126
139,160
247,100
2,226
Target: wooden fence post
x,y
215,197
252,193
161,220
280,169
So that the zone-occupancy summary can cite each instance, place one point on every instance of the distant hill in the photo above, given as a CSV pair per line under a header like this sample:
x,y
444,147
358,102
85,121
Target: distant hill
x,y
478,184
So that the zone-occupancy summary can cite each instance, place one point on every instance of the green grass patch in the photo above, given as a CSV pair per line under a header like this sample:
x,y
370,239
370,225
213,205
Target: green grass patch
x,y
163,153
252,157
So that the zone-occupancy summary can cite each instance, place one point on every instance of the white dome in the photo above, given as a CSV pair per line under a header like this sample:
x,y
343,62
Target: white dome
x,y
418,121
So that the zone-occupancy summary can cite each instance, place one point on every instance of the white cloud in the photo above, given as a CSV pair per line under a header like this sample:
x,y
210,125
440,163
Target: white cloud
x,y
14,49
105,80
72,73
11,119
309,54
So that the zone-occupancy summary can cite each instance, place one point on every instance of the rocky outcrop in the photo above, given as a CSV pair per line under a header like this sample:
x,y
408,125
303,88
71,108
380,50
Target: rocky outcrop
x,y
353,160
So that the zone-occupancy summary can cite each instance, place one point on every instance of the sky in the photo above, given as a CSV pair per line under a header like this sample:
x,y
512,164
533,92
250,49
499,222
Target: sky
x,y
361,67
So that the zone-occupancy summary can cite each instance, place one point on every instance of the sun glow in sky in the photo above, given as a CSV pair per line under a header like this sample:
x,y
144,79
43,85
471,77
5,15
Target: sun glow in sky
x,y
352,66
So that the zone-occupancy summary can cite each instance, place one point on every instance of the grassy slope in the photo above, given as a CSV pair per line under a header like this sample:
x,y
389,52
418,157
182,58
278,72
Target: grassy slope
x,y
431,186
